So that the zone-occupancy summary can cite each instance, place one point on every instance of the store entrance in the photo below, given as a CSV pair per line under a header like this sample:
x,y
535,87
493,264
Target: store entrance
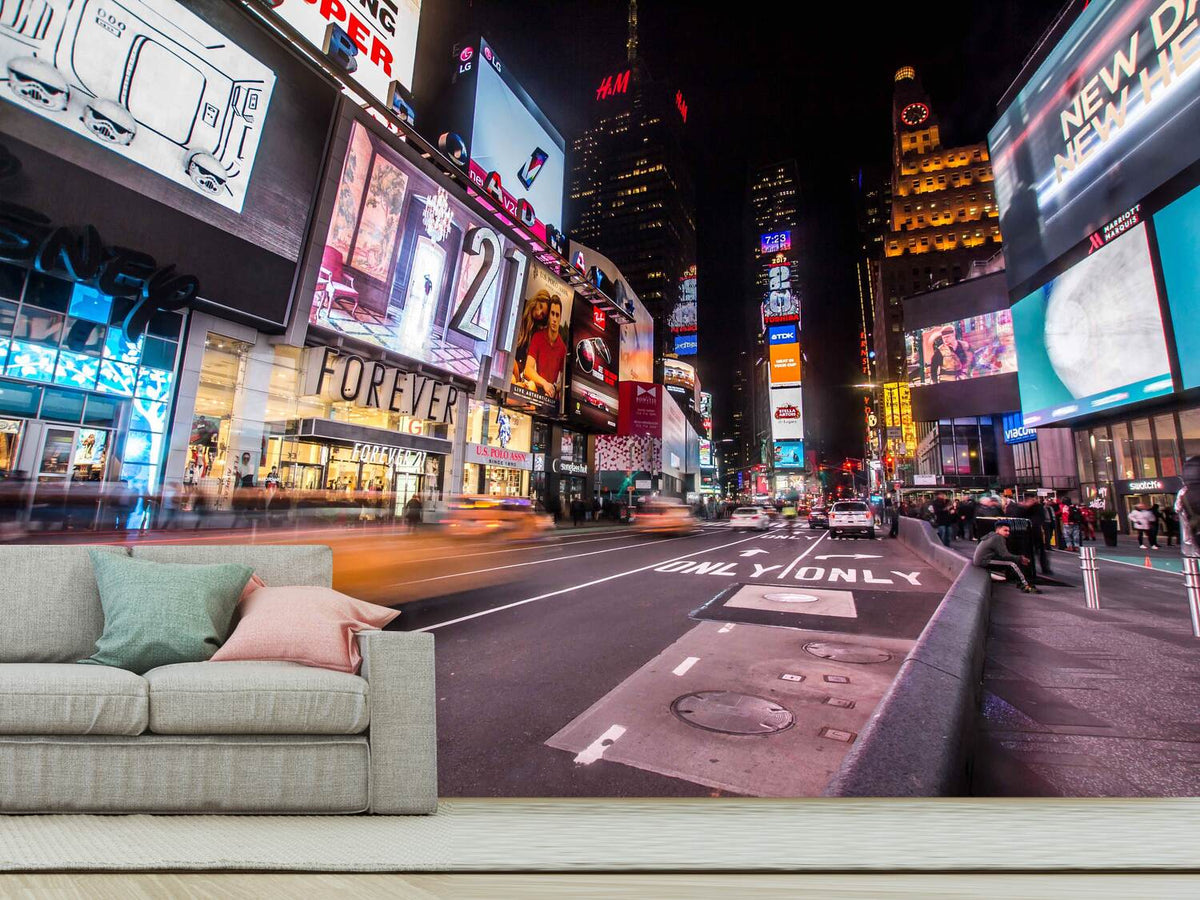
x,y
1132,500
70,479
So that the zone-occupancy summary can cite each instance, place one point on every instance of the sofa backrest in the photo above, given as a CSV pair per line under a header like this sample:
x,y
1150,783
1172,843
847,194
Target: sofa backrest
x,y
49,603
275,564
50,606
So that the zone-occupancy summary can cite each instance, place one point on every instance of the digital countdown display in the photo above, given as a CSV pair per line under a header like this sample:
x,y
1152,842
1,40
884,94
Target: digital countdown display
x,y
776,241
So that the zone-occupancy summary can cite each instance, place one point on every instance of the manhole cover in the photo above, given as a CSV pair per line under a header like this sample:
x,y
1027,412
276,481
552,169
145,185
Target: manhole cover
x,y
729,712
791,597
840,651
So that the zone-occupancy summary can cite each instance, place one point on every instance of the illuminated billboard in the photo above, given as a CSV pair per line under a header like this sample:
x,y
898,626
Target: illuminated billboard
x,y
679,377
898,418
543,342
374,44
707,459
1177,227
682,321
404,266
510,151
787,416
782,303
783,354
776,242
1109,116
1092,339
788,454
959,351
637,337
146,80
595,358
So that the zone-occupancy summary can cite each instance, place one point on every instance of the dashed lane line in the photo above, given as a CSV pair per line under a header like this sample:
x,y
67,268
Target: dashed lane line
x,y
683,667
596,748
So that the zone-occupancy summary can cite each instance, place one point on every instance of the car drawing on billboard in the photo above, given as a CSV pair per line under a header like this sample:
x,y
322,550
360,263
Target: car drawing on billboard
x,y
145,78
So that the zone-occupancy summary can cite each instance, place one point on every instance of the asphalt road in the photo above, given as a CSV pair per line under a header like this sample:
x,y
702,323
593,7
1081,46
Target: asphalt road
x,y
614,664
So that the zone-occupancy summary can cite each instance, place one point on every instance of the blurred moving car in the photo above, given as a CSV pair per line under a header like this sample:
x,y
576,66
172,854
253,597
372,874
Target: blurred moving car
x,y
818,517
665,515
770,512
750,517
481,515
851,517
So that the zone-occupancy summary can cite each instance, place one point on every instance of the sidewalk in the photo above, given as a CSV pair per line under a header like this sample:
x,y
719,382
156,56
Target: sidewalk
x,y
1092,704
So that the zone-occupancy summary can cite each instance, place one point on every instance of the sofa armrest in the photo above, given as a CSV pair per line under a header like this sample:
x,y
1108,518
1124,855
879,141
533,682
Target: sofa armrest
x,y
398,666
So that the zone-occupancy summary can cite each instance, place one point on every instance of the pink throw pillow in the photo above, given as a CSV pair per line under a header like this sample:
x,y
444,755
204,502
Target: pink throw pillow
x,y
313,626
251,586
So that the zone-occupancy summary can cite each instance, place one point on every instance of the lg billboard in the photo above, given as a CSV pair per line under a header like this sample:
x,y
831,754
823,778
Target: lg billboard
x,y
511,152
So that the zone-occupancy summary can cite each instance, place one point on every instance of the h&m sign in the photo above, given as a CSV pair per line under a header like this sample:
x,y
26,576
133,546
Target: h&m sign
x,y
370,383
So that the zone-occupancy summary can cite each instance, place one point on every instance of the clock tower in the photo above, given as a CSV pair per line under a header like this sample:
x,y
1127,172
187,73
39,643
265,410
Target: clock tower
x,y
914,125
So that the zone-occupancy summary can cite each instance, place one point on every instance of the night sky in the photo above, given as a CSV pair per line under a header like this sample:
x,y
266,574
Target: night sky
x,y
785,82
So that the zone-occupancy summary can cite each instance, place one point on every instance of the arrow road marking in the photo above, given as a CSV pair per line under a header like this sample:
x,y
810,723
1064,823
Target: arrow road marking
x,y
752,551
846,556
596,748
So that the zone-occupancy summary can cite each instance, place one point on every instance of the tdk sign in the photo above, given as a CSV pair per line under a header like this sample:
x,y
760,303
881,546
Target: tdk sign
x,y
782,334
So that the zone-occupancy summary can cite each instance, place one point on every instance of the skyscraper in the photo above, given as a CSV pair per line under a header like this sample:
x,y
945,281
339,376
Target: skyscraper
x,y
944,217
630,194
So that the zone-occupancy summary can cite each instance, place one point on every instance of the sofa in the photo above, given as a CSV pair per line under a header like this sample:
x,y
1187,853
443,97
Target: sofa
x,y
206,737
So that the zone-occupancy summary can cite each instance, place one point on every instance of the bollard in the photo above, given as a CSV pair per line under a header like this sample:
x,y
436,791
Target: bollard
x,y
1191,579
1091,578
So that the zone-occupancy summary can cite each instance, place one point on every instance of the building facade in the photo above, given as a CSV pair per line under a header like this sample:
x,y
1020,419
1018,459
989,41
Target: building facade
x,y
630,195
943,220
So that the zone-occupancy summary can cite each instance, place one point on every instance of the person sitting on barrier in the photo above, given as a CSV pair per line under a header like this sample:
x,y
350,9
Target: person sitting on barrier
x,y
992,554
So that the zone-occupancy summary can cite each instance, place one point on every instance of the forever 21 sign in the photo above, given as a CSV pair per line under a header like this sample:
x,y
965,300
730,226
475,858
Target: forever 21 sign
x,y
377,385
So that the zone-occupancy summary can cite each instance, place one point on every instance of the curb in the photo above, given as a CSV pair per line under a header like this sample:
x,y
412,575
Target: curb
x,y
918,741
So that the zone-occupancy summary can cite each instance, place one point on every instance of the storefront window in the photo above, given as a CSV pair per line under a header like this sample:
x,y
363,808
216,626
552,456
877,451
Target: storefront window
x,y
1189,426
10,435
1083,456
1143,446
1123,450
1168,446
1102,454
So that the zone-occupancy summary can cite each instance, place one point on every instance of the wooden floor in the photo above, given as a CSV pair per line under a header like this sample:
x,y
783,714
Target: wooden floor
x,y
652,887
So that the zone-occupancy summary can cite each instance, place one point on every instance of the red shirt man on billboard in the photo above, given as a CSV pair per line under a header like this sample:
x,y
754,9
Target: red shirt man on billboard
x,y
547,351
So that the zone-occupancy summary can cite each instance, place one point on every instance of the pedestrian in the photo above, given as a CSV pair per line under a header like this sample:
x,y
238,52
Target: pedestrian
x,y
412,512
1049,524
1157,525
993,554
1089,523
1035,513
966,519
943,518
1142,519
1171,525
577,510
1072,523
1187,505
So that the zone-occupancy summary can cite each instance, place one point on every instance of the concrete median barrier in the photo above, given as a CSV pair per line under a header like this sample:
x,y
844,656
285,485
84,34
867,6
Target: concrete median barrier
x,y
918,741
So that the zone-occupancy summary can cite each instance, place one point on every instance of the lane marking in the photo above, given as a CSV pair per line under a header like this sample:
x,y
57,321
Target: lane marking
x,y
596,748
579,587
725,629
532,562
682,668
808,550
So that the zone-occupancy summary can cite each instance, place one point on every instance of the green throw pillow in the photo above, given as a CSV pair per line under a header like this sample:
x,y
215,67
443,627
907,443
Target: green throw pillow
x,y
156,614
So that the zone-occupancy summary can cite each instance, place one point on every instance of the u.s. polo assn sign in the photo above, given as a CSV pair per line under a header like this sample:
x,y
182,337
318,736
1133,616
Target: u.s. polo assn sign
x,y
374,384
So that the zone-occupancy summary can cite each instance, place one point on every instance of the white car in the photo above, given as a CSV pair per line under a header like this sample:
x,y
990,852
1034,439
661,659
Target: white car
x,y
750,517
851,517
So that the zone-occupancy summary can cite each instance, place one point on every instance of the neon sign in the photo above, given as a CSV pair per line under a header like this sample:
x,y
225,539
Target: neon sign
x,y
613,85
681,105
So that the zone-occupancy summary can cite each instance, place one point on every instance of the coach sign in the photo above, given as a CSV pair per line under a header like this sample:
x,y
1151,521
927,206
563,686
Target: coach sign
x,y
377,385
483,455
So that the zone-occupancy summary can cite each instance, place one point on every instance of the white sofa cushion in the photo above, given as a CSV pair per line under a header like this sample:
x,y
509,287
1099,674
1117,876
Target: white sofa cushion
x,y
246,697
67,698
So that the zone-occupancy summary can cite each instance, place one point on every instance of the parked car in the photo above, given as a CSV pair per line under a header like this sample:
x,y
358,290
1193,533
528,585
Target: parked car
x,y
851,517
665,516
818,517
750,517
